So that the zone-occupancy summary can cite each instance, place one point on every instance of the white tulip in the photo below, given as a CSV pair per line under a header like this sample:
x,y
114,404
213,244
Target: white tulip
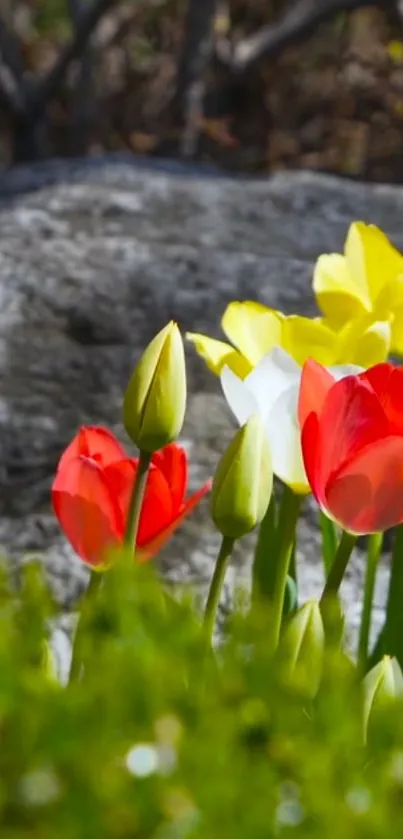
x,y
272,391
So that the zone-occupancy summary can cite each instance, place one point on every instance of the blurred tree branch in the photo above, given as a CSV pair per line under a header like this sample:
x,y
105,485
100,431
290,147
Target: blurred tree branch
x,y
85,102
299,21
73,50
26,100
197,50
11,71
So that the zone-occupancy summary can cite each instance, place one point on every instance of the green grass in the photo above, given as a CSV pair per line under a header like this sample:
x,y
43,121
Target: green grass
x,y
228,752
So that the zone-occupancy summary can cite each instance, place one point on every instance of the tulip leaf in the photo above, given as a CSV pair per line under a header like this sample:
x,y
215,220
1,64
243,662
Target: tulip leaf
x,y
290,597
375,541
264,566
391,640
329,541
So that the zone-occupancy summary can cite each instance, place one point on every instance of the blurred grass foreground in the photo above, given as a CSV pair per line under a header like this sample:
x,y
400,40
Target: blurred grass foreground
x,y
158,739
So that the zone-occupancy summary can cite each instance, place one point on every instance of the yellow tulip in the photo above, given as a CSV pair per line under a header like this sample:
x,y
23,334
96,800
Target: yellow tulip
x,y
364,284
253,330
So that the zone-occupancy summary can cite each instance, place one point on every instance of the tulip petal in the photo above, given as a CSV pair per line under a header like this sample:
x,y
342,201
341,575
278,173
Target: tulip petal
x,y
157,511
315,384
365,341
309,337
172,462
120,477
274,374
366,495
240,400
217,354
387,383
310,451
271,390
372,260
352,418
397,330
95,442
252,328
285,441
338,294
87,510
154,546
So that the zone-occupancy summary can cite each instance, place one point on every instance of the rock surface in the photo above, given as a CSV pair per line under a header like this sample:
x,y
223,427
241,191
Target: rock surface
x,y
94,259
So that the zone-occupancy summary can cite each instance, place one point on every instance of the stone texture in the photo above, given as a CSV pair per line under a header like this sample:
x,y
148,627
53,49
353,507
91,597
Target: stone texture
x,y
94,258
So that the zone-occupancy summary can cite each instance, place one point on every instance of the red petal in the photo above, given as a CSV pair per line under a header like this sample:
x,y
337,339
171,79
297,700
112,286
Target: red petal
x,y
87,511
309,445
157,511
160,539
352,418
315,384
172,461
96,442
120,478
367,494
387,382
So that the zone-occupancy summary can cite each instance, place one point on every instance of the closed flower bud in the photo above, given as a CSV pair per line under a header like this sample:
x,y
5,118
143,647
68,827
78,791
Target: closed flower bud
x,y
155,399
48,663
382,685
301,649
243,482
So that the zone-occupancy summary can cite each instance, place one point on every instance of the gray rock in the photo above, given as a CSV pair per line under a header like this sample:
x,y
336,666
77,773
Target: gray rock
x,y
94,259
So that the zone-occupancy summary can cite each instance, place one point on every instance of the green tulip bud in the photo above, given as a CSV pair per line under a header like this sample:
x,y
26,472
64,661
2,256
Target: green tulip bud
x,y
301,649
48,663
243,482
155,399
382,685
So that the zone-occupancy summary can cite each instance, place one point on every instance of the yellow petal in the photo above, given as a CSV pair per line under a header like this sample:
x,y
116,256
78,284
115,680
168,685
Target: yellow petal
x,y
390,299
397,331
365,342
338,296
372,261
252,328
309,338
218,354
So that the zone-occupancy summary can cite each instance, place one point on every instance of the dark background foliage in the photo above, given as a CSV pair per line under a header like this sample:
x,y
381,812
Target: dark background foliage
x,y
250,85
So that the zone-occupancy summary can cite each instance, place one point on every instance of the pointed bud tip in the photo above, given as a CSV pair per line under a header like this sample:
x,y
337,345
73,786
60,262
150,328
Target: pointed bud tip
x,y
155,399
301,649
243,481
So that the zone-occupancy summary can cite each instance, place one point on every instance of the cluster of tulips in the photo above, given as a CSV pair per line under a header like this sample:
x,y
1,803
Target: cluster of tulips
x,y
319,407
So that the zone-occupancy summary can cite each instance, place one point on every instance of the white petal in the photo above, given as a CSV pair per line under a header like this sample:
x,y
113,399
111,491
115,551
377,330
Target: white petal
x,y
285,440
274,374
240,400
340,371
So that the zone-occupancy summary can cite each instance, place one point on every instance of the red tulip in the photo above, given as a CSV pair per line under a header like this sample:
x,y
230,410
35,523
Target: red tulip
x,y
352,444
92,490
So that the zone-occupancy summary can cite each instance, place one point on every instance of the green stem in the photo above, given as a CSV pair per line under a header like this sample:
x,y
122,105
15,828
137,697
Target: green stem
x,y
329,541
393,629
263,566
216,585
136,502
87,602
339,566
287,523
292,569
374,549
